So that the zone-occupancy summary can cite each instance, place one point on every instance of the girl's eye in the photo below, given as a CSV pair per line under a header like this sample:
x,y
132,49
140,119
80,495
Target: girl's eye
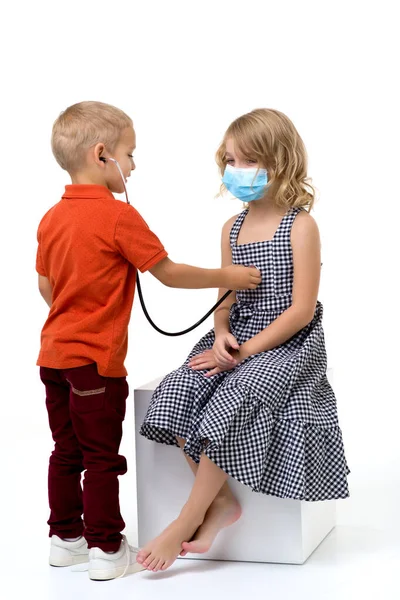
x,y
229,160
130,155
251,162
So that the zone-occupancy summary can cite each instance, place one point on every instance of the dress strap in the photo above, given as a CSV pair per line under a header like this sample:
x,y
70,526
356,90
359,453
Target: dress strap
x,y
282,232
285,226
236,227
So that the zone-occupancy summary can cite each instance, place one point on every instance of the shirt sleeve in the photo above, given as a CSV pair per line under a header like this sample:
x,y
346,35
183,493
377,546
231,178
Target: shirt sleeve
x,y
39,261
136,242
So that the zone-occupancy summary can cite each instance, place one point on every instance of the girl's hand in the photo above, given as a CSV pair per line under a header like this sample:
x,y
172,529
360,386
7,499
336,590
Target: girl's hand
x,y
203,361
223,346
206,360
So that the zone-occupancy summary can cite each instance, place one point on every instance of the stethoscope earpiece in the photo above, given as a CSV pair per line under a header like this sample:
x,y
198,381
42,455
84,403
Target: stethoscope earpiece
x,y
104,159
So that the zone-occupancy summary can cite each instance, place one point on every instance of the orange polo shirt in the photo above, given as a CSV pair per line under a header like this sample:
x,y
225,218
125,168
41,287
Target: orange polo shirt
x,y
90,246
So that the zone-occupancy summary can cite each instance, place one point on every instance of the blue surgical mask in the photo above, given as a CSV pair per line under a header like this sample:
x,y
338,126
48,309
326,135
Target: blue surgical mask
x,y
245,184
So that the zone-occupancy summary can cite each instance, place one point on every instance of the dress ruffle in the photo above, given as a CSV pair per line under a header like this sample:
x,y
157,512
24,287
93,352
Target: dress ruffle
x,y
270,454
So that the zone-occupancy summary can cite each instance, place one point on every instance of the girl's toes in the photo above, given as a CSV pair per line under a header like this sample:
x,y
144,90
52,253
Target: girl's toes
x,y
158,565
153,564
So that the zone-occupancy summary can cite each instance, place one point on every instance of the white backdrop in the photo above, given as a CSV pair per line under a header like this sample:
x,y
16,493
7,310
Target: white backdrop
x,y
184,71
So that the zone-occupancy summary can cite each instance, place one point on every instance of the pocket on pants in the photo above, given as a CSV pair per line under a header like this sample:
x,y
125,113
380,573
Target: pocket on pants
x,y
87,400
87,388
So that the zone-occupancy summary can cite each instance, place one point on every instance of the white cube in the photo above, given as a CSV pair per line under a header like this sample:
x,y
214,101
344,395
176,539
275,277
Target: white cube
x,y
270,530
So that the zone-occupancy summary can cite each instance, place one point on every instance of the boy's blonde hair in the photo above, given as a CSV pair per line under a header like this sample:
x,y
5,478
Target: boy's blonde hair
x,y
270,138
82,126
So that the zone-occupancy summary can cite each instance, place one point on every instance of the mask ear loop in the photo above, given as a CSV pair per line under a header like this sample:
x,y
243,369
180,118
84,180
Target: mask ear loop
x,y
103,159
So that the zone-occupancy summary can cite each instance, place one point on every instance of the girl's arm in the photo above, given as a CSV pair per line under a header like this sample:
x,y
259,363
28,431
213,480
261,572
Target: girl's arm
x,y
220,357
225,343
221,315
307,265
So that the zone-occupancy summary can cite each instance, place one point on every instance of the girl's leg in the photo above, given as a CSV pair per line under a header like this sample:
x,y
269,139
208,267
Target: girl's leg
x,y
224,511
161,552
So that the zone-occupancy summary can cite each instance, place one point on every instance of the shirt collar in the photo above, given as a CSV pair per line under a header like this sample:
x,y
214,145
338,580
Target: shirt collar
x,y
87,191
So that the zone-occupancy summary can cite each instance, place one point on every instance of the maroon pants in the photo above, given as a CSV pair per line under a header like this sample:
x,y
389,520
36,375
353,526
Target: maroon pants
x,y
86,412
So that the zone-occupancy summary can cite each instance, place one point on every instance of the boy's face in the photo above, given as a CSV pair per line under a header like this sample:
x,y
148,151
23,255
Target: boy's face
x,y
123,153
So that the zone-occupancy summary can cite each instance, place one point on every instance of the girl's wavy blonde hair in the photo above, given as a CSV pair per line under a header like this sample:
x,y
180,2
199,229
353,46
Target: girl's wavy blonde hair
x,y
82,126
270,138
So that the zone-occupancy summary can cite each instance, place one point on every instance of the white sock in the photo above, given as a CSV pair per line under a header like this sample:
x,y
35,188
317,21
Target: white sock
x,y
72,539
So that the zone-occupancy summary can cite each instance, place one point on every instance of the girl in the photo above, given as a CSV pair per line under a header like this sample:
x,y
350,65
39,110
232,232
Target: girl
x,y
252,401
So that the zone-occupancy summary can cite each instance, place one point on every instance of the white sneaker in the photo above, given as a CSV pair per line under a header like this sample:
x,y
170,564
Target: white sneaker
x,y
65,554
104,565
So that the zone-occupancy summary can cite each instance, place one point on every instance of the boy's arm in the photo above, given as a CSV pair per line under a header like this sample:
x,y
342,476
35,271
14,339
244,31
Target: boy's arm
x,y
45,289
233,277
141,247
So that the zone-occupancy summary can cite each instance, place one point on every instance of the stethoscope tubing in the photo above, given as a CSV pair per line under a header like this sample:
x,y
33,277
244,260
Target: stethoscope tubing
x,y
176,333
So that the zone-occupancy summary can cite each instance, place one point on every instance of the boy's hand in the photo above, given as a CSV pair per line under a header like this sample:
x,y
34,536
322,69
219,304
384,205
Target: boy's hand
x,y
241,278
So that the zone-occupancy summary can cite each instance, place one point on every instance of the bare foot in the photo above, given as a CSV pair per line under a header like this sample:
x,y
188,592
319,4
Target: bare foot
x,y
224,511
160,553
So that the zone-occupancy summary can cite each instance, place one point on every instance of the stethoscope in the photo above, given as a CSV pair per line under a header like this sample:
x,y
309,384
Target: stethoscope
x,y
139,287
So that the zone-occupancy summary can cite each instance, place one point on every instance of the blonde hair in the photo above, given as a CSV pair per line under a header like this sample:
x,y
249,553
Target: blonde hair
x,y
270,138
82,126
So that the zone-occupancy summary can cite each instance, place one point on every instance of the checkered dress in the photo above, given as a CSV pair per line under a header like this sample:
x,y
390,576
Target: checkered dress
x,y
271,423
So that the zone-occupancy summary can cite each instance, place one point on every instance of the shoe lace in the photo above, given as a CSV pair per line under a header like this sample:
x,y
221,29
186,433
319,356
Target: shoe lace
x,y
128,550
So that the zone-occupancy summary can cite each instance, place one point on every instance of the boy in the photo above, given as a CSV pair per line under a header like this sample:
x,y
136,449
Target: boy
x,y
90,246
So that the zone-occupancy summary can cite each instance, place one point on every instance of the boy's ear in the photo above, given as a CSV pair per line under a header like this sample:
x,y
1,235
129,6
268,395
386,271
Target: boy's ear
x,y
98,152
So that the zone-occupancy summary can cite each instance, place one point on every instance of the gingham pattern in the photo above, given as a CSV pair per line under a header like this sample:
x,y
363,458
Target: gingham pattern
x,y
271,422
